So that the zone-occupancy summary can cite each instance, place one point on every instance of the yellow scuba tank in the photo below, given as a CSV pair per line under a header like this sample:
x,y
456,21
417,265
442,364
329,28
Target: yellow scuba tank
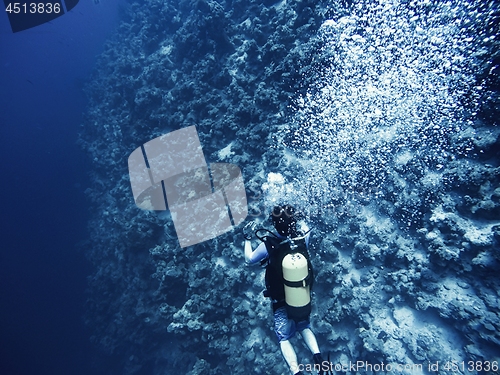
x,y
297,285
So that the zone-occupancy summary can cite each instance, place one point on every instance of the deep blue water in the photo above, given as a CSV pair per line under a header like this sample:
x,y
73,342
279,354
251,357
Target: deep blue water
x,y
44,175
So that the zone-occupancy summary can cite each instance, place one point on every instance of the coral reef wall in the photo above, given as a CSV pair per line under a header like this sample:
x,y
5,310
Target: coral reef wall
x,y
378,119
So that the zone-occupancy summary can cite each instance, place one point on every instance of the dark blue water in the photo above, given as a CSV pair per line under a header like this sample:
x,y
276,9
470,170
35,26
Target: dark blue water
x,y
44,175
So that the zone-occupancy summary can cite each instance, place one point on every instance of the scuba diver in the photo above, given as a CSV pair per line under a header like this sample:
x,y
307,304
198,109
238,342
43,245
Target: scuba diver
x,y
289,278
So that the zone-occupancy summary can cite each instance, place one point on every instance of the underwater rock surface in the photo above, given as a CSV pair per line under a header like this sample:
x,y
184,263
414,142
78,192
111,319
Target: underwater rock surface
x,y
378,119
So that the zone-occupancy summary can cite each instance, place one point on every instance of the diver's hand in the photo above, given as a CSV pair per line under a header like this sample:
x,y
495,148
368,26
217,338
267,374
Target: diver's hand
x,y
248,230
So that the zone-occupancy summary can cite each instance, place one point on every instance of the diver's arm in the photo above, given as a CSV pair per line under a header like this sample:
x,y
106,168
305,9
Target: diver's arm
x,y
248,251
256,256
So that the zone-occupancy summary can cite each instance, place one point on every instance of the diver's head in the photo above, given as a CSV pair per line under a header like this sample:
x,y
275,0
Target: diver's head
x,y
284,220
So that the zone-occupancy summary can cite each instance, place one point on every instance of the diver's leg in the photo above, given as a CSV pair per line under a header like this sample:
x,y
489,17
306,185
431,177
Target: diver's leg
x,y
290,356
285,329
312,344
310,340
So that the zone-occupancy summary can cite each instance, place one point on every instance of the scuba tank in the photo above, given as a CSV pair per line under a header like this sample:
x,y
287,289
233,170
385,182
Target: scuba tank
x,y
289,275
296,279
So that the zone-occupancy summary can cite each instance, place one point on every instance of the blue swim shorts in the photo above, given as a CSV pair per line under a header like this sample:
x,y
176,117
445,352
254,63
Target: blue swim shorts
x,y
285,328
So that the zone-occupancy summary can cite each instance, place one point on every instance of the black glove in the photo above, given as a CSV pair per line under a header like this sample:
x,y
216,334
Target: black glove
x,y
248,230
